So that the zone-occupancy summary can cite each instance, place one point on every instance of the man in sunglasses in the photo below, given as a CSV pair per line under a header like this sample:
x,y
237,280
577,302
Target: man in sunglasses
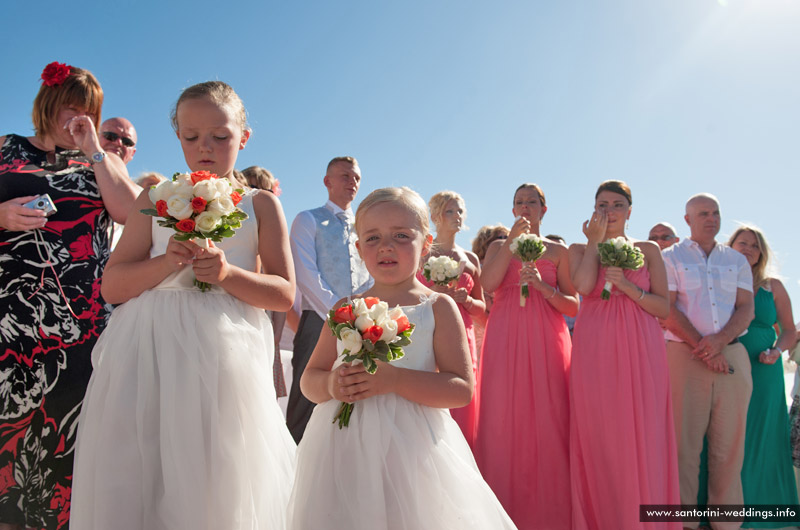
x,y
118,136
664,235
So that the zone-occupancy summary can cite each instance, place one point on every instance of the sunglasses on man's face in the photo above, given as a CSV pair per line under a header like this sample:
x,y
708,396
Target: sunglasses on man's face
x,y
665,237
113,137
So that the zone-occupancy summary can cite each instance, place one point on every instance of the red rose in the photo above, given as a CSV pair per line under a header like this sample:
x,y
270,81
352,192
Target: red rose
x,y
402,324
371,301
236,197
199,204
81,248
344,314
373,333
186,225
55,73
197,176
161,208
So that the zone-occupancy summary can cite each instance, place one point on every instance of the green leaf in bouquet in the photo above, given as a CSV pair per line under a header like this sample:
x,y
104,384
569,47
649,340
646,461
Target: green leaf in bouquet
x,y
402,340
368,345
349,358
175,175
150,211
227,232
381,347
184,237
370,364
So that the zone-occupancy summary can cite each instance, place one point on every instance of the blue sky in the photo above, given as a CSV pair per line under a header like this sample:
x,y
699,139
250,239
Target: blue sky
x,y
673,96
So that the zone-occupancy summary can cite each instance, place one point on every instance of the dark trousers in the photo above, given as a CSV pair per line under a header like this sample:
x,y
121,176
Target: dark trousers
x,y
299,409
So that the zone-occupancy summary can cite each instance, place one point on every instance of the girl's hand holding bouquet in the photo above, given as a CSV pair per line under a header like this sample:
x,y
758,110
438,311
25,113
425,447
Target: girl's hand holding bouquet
x,y
617,254
368,331
528,248
199,206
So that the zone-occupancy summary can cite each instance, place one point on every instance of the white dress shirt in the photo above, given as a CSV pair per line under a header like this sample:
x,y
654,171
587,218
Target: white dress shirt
x,y
317,295
706,285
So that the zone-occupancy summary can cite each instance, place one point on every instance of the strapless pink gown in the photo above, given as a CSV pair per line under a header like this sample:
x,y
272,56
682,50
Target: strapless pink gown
x,y
522,446
622,440
466,417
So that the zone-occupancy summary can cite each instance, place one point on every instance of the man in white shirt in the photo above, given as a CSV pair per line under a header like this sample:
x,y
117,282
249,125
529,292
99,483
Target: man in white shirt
x,y
328,268
711,292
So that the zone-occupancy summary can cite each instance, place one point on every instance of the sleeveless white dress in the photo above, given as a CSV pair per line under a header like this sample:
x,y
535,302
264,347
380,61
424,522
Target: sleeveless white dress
x,y
399,465
180,426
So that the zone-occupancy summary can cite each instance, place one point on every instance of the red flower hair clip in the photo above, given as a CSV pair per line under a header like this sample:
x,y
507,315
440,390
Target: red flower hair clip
x,y
276,188
55,73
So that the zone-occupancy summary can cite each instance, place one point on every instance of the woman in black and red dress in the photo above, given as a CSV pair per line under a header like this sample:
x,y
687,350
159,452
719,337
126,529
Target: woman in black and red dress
x,y
50,269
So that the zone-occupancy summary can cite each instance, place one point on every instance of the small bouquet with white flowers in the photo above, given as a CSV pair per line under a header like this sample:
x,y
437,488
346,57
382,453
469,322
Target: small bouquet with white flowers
x,y
368,330
199,206
618,252
442,270
528,248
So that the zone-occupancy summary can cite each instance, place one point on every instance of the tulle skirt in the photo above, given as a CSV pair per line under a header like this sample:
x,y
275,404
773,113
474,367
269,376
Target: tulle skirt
x,y
180,427
398,465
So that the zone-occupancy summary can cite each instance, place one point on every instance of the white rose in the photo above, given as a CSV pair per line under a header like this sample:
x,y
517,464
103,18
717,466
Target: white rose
x,y
223,186
514,245
379,312
619,242
179,207
183,186
351,340
161,192
206,189
359,307
389,330
222,205
206,221
363,322
396,312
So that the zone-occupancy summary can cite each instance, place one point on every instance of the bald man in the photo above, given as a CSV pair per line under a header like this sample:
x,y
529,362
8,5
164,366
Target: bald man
x,y
664,235
118,136
711,297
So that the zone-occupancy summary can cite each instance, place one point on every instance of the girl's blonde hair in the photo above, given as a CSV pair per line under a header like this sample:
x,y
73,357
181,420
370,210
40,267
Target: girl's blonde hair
x,y
438,202
259,178
222,94
761,272
405,197
485,236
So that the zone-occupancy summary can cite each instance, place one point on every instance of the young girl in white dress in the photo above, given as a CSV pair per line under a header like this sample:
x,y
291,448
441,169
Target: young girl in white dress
x,y
180,427
402,463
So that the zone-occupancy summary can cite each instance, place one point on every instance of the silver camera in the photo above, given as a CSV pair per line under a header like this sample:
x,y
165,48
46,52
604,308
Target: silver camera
x,y
42,202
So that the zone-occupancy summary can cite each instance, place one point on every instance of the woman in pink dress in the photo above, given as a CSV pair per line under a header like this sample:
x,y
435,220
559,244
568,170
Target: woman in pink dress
x,y
622,441
448,213
523,420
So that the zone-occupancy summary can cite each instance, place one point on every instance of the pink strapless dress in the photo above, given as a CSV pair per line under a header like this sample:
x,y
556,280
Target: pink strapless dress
x,y
466,417
522,446
622,440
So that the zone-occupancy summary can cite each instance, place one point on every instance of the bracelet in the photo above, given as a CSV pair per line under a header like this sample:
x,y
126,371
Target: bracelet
x,y
552,295
641,296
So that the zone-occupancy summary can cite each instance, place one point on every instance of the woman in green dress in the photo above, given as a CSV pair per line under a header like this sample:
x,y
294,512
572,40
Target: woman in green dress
x,y
767,473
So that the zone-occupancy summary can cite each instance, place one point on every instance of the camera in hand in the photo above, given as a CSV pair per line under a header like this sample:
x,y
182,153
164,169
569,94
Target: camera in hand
x,y
44,203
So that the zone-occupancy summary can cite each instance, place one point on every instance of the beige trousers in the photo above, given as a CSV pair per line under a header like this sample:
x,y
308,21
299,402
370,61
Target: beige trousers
x,y
706,403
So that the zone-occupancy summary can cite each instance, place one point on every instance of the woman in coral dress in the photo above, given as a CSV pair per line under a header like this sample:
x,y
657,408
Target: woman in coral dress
x,y
523,420
448,213
622,442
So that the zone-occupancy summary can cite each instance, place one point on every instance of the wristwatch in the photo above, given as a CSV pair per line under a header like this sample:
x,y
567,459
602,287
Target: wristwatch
x,y
97,157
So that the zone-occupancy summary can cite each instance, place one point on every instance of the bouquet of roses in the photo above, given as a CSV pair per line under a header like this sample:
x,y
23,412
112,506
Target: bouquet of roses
x,y
199,206
368,330
442,270
528,248
618,252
